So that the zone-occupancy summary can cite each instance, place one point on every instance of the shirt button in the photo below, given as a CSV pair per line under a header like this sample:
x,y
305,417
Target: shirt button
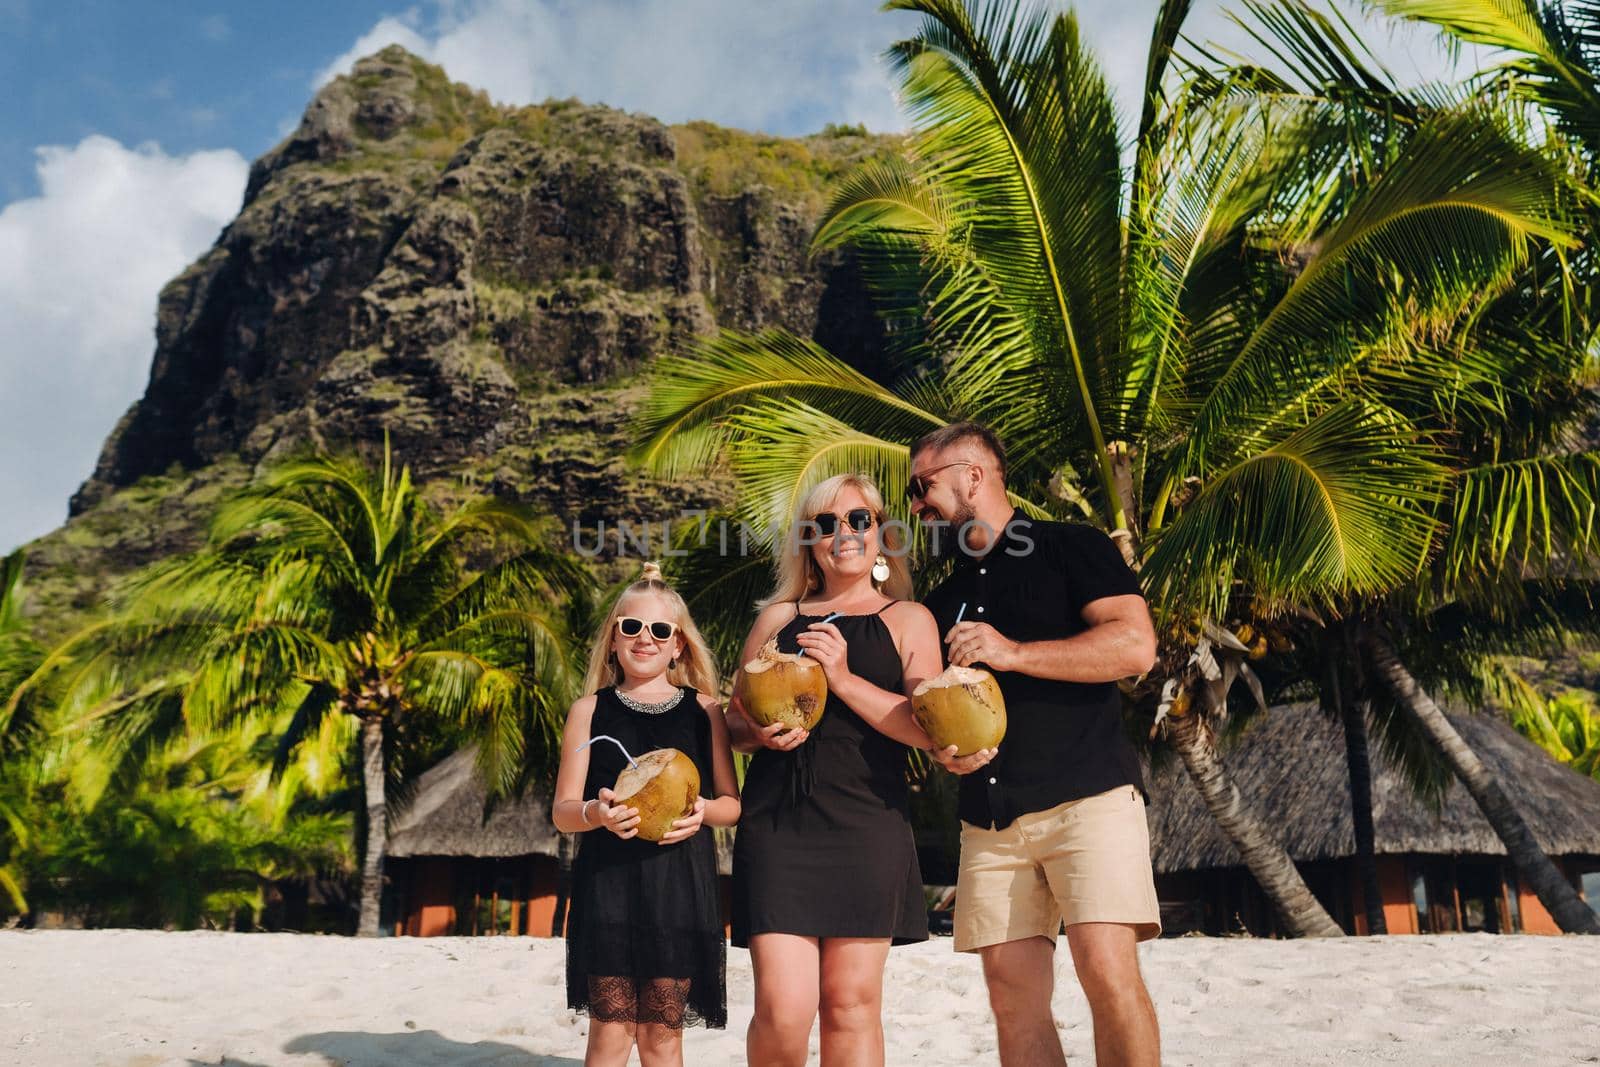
x,y
983,570
993,782
980,609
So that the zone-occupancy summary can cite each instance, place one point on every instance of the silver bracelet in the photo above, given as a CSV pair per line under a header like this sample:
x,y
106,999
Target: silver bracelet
x,y
584,811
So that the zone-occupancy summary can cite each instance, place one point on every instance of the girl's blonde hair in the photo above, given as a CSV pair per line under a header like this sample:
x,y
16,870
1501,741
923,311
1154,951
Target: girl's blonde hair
x,y
695,666
796,571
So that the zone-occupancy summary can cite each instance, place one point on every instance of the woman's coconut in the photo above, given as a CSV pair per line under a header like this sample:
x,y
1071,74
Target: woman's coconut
x,y
782,687
663,785
961,706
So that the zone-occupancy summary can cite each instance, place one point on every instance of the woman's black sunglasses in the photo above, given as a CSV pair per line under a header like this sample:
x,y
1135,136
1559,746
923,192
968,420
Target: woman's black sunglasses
x,y
632,627
858,519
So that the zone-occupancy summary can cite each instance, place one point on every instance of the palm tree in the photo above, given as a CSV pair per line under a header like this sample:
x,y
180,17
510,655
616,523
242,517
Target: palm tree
x,y
193,833
332,588
1168,335
1502,383
19,656
1567,727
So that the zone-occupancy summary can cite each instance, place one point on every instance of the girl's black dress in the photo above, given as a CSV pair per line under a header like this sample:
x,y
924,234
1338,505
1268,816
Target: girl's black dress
x,y
644,936
824,846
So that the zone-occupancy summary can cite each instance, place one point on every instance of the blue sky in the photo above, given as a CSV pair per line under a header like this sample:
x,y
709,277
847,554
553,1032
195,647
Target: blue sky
x,y
186,76
131,124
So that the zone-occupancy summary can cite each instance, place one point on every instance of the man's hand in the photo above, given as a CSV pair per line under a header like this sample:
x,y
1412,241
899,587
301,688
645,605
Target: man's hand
x,y
978,642
946,757
686,826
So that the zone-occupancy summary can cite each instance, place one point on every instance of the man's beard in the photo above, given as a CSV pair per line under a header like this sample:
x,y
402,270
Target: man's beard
x,y
946,538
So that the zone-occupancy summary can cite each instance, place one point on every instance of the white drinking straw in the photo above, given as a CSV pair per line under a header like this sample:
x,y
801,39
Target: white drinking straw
x,y
962,611
607,737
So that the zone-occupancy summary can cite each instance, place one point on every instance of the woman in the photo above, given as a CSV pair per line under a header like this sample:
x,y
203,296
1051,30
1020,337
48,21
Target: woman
x,y
825,874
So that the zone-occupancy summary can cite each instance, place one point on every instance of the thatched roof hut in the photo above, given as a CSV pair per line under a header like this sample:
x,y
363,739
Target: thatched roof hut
x,y
1438,870
445,817
1290,767
455,872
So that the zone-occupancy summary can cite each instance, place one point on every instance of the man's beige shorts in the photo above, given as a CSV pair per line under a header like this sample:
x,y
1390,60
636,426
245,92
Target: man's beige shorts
x,y
1084,861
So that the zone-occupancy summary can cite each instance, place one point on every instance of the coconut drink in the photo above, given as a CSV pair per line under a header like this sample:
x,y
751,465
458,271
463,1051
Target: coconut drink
x,y
662,785
961,706
783,687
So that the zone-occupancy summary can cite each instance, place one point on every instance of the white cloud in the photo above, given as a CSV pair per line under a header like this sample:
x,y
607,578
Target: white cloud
x,y
784,66
81,265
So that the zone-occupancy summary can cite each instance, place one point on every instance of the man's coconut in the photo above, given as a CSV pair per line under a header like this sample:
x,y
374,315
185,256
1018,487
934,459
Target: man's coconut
x,y
962,707
664,787
787,688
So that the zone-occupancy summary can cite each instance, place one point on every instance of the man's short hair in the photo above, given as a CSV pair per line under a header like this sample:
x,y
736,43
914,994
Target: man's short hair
x,y
959,432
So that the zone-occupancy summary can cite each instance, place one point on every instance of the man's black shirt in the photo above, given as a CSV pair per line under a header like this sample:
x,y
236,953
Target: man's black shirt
x,y
1064,740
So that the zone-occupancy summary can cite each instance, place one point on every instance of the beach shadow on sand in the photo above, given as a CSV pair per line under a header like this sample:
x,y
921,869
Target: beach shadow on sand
x,y
354,1049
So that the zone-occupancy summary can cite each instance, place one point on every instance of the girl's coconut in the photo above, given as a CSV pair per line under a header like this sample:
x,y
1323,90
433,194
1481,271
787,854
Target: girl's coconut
x,y
783,687
663,785
962,707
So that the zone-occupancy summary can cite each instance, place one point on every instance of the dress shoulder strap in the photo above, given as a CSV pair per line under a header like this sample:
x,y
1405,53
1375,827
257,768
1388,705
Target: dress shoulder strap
x,y
886,607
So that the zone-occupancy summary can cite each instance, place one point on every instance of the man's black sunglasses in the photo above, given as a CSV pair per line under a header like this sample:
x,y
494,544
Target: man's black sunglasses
x,y
858,519
918,487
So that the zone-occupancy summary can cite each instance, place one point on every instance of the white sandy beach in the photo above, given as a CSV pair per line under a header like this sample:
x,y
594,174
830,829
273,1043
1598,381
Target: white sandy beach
x,y
143,998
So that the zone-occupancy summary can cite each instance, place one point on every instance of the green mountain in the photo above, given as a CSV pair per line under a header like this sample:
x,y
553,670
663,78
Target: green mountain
x,y
484,282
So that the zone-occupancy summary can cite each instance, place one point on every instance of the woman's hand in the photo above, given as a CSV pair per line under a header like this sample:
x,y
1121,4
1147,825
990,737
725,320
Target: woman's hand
x,y
823,642
776,737
781,738
618,818
686,826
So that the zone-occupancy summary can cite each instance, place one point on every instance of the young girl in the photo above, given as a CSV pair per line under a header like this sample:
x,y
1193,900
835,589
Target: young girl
x,y
645,952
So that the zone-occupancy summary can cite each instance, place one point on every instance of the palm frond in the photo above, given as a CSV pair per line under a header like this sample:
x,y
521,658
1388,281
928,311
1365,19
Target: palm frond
x,y
1342,505
679,428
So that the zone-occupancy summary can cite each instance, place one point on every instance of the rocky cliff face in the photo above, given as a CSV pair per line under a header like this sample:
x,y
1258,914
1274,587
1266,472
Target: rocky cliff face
x,y
484,283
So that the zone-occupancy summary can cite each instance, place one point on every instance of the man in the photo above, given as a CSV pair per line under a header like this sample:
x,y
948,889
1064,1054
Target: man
x,y
1053,821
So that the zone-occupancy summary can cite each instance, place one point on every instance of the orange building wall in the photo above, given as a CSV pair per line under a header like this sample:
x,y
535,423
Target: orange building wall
x,y
1399,910
1535,919
432,915
541,909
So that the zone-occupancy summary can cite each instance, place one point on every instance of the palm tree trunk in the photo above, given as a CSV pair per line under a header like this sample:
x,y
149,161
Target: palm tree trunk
x,y
1274,871
1552,888
377,826
1353,715
1339,697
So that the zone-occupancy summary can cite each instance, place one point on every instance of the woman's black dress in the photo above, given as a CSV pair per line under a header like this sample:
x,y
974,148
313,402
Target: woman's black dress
x,y
644,937
824,846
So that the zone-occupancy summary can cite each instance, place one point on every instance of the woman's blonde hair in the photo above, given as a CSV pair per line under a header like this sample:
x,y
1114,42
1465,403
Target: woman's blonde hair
x,y
695,666
796,571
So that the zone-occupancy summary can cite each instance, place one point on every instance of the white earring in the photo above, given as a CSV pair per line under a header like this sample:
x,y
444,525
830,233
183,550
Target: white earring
x,y
880,570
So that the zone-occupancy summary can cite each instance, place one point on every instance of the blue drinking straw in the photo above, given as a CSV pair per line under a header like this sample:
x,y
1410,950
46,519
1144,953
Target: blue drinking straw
x,y
962,611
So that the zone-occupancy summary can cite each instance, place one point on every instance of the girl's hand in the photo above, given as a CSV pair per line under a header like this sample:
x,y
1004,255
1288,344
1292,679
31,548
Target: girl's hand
x,y
686,826
619,819
823,642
